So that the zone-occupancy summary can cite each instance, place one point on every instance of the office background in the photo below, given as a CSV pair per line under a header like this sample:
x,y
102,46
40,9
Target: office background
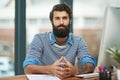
x,y
20,20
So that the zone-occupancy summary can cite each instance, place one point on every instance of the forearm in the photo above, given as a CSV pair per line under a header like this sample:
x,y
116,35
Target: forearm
x,y
36,69
87,68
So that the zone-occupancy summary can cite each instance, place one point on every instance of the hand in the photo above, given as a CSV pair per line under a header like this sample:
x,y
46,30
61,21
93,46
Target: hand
x,y
56,68
69,69
63,72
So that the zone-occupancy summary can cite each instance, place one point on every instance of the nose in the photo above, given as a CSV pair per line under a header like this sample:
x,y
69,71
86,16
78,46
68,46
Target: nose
x,y
61,21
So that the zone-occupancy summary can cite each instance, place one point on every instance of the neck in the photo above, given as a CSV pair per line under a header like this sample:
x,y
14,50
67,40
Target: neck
x,y
61,41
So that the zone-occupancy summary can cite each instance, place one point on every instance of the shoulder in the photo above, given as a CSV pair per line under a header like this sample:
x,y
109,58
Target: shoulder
x,y
76,37
42,35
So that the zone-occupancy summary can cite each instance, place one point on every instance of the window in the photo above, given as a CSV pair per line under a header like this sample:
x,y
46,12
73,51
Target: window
x,y
7,10
38,17
91,22
88,22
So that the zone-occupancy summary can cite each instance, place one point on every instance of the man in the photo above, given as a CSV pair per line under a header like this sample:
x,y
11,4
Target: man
x,y
55,52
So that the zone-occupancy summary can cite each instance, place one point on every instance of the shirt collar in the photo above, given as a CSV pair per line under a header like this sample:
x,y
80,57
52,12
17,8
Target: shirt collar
x,y
53,40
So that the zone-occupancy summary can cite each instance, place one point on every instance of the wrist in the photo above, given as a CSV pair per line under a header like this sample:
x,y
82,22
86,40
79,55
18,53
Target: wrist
x,y
48,69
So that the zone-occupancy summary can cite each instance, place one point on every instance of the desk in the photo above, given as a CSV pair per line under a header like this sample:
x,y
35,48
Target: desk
x,y
17,77
24,77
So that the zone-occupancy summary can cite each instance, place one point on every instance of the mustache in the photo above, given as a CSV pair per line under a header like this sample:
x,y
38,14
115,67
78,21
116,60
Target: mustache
x,y
61,25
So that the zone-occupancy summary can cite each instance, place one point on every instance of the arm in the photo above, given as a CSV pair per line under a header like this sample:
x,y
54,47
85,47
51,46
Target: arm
x,y
32,62
55,69
87,68
86,63
36,69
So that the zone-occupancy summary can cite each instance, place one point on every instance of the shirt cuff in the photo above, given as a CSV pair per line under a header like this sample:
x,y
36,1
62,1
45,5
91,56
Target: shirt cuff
x,y
88,59
31,61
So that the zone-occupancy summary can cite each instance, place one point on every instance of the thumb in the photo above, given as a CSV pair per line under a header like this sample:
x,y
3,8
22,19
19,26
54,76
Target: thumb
x,y
61,58
66,61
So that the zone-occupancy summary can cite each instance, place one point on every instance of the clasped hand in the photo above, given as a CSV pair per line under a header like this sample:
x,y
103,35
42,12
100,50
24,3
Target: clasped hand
x,y
63,69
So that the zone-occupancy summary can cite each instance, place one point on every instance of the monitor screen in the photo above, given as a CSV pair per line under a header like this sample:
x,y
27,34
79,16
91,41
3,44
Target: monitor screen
x,y
110,42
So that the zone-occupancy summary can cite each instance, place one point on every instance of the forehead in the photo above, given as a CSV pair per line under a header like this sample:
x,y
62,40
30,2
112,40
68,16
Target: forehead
x,y
60,13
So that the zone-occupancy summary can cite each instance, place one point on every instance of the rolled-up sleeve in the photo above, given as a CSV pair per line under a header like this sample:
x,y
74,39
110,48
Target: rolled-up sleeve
x,y
34,52
83,54
88,59
31,61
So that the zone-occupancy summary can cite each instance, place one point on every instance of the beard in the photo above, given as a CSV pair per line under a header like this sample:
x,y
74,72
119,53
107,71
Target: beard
x,y
61,32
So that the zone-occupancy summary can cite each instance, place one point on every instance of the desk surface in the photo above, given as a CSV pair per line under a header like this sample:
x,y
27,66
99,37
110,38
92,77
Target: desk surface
x,y
24,77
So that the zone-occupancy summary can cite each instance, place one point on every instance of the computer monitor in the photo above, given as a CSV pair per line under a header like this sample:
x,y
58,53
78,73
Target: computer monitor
x,y
110,36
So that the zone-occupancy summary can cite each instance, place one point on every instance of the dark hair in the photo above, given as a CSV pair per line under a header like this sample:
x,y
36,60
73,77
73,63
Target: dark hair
x,y
61,7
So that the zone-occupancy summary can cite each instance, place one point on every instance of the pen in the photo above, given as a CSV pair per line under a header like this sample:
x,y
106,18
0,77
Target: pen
x,y
108,73
100,69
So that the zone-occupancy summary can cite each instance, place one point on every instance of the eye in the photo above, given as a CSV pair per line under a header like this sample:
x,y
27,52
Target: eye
x,y
56,18
65,17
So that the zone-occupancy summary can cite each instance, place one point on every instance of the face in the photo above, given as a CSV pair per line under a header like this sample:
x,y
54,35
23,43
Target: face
x,y
61,23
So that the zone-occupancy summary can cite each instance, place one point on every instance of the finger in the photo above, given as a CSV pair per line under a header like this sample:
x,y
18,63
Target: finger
x,y
59,74
68,65
56,68
66,75
61,58
67,72
62,62
67,69
57,62
66,61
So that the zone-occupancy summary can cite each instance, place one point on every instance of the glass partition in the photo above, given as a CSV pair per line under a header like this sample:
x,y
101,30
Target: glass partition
x,y
88,21
7,12
37,17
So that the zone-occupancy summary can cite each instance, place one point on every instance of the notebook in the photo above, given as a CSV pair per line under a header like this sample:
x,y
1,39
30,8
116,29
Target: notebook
x,y
88,75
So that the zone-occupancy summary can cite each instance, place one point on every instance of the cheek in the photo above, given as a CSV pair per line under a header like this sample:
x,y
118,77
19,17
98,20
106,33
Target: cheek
x,y
55,23
67,23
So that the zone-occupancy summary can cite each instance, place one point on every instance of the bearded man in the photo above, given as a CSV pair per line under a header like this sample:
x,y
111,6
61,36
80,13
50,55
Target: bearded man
x,y
55,52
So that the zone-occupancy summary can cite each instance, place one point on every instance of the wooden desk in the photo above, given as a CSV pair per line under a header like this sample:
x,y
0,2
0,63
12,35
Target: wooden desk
x,y
23,77
17,77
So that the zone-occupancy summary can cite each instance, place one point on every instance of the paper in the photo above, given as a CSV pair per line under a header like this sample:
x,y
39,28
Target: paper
x,y
88,75
118,74
41,77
